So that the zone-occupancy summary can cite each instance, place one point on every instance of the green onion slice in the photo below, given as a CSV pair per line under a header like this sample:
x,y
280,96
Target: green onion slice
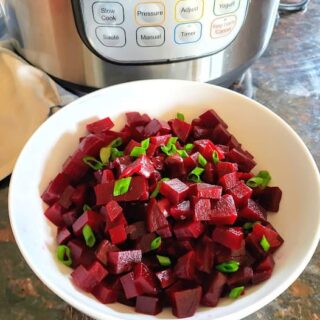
x,y
236,292
254,182
121,186
195,174
247,226
228,267
265,243
93,163
115,153
137,152
116,142
262,179
155,192
182,153
89,236
164,261
215,157
86,207
189,146
202,160
145,144
64,255
105,154
155,243
180,116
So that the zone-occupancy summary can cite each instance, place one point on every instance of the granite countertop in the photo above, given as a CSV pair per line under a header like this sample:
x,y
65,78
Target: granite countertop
x,y
287,80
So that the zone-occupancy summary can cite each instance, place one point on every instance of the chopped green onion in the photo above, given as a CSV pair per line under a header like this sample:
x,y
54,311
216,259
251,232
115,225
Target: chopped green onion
x,y
215,157
247,226
261,179
236,292
145,144
228,267
265,243
265,175
89,236
157,189
155,243
202,160
189,146
93,163
164,261
105,154
195,174
172,140
169,150
115,153
86,207
116,142
182,153
121,186
137,152
180,116
64,255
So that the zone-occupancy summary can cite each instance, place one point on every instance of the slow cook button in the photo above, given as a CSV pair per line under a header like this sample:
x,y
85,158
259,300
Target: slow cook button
x,y
223,26
189,10
111,36
225,6
108,12
188,32
150,13
150,36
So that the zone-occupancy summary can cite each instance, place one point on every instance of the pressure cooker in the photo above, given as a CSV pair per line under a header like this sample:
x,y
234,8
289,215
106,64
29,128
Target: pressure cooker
x,y
97,43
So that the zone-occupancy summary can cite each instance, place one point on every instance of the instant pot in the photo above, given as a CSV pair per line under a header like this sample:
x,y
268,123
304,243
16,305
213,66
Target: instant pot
x,y
97,43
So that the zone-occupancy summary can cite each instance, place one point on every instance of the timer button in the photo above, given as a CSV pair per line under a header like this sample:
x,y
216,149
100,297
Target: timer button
x,y
111,36
150,13
109,13
188,32
150,36
189,10
226,6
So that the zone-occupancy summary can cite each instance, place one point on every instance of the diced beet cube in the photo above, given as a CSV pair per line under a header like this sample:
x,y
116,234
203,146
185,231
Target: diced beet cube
x,y
142,166
80,254
136,119
120,164
201,133
175,166
234,143
189,229
220,135
224,211
224,254
185,267
63,235
55,189
165,232
118,234
137,133
164,206
224,167
230,237
79,195
209,173
83,279
205,190
202,209
186,302
148,305
153,180
190,162
98,270
261,276
145,280
129,286
152,128
91,144
132,143
74,167
181,129
160,140
104,247
69,217
252,212
245,175
270,198
136,230
155,219
54,214
158,162
181,211
240,193
93,219
119,220
206,148
123,261
100,125
210,119
66,197
229,180
107,176
166,278
175,190
215,289
144,243
205,255
266,264
105,293
245,163
242,277
114,210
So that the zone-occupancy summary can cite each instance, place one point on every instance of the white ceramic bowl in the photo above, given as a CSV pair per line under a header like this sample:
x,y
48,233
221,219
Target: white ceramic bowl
x,y
277,148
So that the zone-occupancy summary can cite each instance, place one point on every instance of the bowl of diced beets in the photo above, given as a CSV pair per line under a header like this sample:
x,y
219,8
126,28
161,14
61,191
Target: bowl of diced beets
x,y
167,199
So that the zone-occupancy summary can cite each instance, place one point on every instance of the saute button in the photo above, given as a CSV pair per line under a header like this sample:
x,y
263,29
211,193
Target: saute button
x,y
150,36
189,10
111,36
225,6
108,12
223,26
150,13
188,32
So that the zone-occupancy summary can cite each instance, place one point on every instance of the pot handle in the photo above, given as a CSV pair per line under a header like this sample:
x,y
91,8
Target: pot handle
x,y
3,27
293,7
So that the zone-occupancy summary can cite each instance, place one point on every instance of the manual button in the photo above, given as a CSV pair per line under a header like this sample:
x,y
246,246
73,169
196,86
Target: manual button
x,y
108,13
150,13
150,36
111,36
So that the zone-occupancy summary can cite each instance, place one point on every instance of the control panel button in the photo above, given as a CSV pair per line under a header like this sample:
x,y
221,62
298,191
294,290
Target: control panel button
x,y
150,13
111,36
225,6
223,26
150,36
108,13
189,10
188,32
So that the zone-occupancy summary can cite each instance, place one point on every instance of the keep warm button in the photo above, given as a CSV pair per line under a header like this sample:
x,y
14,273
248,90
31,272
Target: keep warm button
x,y
223,26
150,36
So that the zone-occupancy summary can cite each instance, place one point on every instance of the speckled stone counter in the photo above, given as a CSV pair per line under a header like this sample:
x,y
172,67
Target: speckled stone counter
x,y
287,80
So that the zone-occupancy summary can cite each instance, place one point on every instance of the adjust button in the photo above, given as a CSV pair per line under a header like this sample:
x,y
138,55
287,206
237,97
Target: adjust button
x,y
188,32
189,10
150,13
226,6
111,36
150,36
108,13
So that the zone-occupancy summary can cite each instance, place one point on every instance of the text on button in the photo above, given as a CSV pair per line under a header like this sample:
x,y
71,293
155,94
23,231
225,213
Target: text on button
x,y
150,13
111,36
226,6
108,13
150,36
223,26
188,33
189,10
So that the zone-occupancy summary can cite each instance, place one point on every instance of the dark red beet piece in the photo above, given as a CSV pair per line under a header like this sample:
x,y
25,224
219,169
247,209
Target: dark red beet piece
x,y
245,175
93,219
80,253
105,293
215,289
181,211
66,197
261,276
145,280
136,119
164,206
128,285
55,189
144,242
181,129
92,143
54,214
224,211
107,176
190,229
186,302
152,128
63,235
148,305
114,210
70,217
205,255
142,166
200,133
136,230
205,190
160,140
230,237
224,167
266,264
132,143
155,219
202,209
245,163
252,212
166,278
118,234
175,166
233,143
270,198
74,167
240,193
242,277
209,173
220,135
191,162
206,147
229,180
185,267
254,247
100,125
79,195
123,261
175,190
104,247
210,119
165,232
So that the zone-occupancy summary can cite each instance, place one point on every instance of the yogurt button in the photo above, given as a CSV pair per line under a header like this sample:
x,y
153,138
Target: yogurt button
x,y
226,6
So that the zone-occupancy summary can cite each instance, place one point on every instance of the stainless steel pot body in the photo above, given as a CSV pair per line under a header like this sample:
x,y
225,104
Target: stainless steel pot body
x,y
47,33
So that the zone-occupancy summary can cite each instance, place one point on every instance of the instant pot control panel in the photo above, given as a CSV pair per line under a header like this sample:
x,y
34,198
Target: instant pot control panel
x,y
133,31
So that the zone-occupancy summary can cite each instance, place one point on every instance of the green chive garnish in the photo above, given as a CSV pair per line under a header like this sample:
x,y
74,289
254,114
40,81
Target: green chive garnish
x,y
86,207
236,292
265,244
262,179
195,174
115,153
180,116
155,243
164,261
182,153
145,144
105,154
121,186
170,148
189,146
228,267
247,226
89,236
155,192
215,157
116,142
93,163
202,160
64,255
137,152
